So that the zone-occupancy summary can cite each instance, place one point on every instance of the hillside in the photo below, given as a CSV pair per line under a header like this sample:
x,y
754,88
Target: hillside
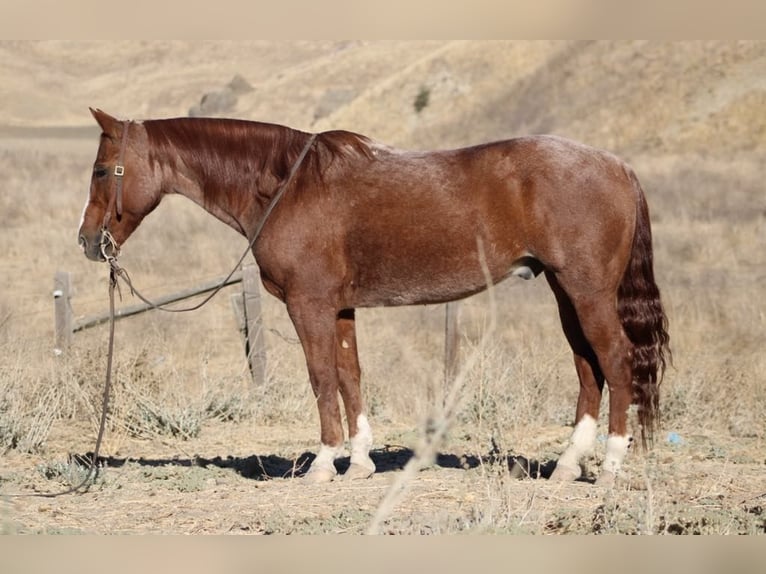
x,y
636,98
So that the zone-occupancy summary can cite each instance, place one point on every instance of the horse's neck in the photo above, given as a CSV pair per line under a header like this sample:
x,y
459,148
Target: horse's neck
x,y
235,177
231,210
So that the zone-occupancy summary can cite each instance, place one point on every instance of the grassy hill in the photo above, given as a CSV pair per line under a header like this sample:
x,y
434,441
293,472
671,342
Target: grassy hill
x,y
695,108
631,97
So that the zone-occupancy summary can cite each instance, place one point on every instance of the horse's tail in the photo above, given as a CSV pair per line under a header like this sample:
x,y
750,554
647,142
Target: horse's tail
x,y
643,319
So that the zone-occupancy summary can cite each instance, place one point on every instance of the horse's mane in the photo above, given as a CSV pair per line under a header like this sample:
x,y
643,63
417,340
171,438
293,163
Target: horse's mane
x,y
237,154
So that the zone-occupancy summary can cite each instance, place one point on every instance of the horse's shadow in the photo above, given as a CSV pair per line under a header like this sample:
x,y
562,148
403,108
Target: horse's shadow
x,y
386,459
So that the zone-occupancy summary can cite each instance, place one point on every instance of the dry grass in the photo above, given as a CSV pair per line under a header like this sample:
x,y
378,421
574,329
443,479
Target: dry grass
x,y
29,404
182,387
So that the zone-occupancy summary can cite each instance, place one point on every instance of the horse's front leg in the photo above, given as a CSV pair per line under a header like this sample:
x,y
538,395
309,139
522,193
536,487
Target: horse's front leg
x,y
359,432
315,324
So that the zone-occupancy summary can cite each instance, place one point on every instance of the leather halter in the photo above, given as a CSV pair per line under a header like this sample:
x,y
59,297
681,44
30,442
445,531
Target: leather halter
x,y
119,171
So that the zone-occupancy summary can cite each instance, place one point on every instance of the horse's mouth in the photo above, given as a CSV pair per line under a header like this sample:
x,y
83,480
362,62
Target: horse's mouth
x,y
99,248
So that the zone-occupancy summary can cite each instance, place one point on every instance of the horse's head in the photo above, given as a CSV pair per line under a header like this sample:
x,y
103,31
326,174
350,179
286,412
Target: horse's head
x,y
123,188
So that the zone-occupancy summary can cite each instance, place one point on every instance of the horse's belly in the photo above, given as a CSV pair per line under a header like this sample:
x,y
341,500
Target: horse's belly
x,y
451,275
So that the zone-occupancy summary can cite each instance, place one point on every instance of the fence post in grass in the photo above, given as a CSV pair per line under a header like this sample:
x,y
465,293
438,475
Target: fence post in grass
x,y
62,292
451,343
255,346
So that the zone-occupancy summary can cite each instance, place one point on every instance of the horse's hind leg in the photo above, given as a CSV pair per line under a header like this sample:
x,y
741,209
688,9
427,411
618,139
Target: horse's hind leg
x,y
602,328
359,432
583,438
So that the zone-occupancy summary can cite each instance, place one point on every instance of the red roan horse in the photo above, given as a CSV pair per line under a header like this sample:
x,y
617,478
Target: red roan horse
x,y
362,224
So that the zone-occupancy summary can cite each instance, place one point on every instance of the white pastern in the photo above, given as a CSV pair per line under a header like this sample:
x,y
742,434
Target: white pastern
x,y
325,459
581,442
616,449
361,443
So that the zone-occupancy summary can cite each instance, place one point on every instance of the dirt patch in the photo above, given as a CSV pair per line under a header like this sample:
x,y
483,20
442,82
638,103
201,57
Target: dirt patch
x,y
232,484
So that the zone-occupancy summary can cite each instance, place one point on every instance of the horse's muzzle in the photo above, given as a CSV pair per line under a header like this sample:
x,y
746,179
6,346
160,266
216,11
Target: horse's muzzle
x,y
97,248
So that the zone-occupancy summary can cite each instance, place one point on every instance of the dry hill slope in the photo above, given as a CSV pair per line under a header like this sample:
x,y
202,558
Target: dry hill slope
x,y
53,83
638,97
630,97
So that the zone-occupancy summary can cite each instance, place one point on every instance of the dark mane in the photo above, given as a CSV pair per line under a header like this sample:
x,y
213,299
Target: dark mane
x,y
237,154
340,144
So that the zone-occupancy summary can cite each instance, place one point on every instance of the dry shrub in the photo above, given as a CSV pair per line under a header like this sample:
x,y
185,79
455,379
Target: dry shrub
x,y
154,400
146,401
30,402
711,275
26,414
509,388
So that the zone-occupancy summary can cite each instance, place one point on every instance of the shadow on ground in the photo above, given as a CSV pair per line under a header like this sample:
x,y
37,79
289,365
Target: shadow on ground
x,y
386,459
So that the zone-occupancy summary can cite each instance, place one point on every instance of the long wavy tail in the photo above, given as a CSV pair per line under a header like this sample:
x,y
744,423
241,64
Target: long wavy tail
x,y
644,321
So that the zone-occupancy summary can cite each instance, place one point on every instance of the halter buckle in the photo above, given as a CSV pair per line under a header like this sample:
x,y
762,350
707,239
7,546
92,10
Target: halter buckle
x,y
119,170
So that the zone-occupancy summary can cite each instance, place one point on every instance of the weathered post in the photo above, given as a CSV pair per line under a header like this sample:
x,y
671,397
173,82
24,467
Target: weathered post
x,y
62,293
255,346
451,343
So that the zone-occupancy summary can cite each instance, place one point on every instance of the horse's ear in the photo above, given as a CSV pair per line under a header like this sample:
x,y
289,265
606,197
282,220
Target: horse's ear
x,y
108,123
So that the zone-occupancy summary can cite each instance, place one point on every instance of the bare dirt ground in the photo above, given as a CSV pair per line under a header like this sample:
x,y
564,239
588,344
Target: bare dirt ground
x,y
689,117
242,479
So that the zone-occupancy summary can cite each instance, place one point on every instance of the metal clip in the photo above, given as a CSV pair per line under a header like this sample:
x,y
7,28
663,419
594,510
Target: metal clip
x,y
119,170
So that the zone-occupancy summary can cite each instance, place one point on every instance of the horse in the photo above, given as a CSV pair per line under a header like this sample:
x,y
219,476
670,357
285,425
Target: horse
x,y
363,224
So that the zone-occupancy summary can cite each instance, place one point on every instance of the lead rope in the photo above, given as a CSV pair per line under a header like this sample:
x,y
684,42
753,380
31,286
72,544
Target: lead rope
x,y
115,271
93,464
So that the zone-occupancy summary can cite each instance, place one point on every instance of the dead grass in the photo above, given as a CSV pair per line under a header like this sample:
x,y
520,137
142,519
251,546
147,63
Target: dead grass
x,y
28,407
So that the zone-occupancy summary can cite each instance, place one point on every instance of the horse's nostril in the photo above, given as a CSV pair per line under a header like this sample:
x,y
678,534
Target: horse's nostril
x,y
82,242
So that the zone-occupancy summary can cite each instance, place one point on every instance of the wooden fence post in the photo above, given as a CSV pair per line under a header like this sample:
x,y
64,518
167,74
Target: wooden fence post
x,y
255,346
62,293
451,343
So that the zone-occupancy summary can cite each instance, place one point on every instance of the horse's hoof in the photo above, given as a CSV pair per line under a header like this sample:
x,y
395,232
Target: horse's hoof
x,y
319,475
357,471
565,474
606,479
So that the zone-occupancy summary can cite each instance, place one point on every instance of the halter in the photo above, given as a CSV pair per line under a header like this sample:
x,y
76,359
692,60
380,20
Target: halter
x,y
116,200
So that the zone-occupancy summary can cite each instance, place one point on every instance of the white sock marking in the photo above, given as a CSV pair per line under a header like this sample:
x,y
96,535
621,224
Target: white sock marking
x,y
616,449
361,443
325,459
581,442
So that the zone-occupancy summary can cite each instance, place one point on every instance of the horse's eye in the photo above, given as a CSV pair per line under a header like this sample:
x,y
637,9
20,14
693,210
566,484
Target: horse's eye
x,y
100,172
